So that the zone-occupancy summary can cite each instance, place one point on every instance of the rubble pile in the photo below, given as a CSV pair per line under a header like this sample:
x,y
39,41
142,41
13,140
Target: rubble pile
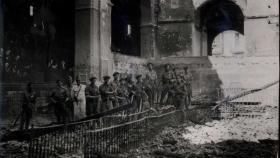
x,y
240,128
171,143
13,149
241,137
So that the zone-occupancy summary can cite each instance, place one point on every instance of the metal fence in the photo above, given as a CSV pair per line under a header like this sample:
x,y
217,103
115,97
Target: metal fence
x,y
70,137
116,139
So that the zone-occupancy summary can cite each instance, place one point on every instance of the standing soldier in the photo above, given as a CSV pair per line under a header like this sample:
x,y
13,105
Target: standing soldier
x,y
122,92
58,99
79,99
140,94
151,84
188,79
115,83
29,100
106,92
167,76
69,99
92,96
129,85
180,91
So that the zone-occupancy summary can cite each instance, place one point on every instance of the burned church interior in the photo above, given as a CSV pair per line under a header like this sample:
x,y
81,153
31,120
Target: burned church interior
x,y
139,78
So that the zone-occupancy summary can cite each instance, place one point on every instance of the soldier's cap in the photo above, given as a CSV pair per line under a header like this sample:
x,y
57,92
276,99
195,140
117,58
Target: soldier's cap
x,y
167,65
149,63
138,76
92,78
116,73
106,77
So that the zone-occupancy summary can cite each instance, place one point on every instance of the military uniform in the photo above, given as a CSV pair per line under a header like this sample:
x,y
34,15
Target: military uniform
x,y
115,84
188,79
166,85
92,99
29,99
106,99
180,91
122,94
151,86
59,96
69,103
139,93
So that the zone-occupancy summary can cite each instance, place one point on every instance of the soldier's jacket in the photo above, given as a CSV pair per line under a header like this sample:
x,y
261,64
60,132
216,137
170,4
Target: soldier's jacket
x,y
92,90
115,85
59,94
167,76
122,91
139,89
29,99
103,89
180,89
151,79
68,92
130,86
188,79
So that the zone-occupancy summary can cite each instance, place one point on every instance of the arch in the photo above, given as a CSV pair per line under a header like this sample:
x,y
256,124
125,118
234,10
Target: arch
x,y
228,43
241,3
216,16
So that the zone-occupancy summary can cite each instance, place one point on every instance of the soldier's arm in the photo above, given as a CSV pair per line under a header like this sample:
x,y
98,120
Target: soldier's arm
x,y
52,97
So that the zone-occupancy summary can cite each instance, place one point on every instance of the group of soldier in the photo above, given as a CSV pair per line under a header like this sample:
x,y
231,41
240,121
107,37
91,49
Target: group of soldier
x,y
75,101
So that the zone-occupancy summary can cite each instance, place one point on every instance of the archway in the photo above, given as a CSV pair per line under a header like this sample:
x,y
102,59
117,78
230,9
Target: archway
x,y
228,43
216,16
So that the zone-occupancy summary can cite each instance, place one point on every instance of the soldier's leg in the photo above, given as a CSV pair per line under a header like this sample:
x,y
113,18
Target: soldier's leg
x,y
150,96
181,107
22,120
28,118
163,94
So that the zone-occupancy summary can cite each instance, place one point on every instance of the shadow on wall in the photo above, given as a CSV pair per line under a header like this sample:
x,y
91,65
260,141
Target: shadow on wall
x,y
206,83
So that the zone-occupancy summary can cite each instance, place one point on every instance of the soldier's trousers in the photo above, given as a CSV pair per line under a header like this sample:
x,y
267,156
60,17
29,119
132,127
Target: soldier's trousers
x,y
92,107
60,112
69,107
179,101
136,103
164,93
188,96
26,116
151,92
106,105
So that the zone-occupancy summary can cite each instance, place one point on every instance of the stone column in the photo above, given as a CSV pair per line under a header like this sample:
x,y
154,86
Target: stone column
x,y
86,39
106,56
148,29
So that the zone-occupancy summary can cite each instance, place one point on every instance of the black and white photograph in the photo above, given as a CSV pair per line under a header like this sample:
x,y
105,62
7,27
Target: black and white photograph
x,y
139,78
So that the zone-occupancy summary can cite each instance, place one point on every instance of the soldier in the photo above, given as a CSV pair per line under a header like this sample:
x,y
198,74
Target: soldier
x,y
69,99
129,85
92,97
151,84
79,99
58,99
29,100
106,92
188,79
140,94
122,92
167,76
115,83
180,91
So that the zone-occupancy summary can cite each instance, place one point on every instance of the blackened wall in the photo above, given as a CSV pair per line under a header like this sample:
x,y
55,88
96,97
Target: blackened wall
x,y
38,48
175,28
